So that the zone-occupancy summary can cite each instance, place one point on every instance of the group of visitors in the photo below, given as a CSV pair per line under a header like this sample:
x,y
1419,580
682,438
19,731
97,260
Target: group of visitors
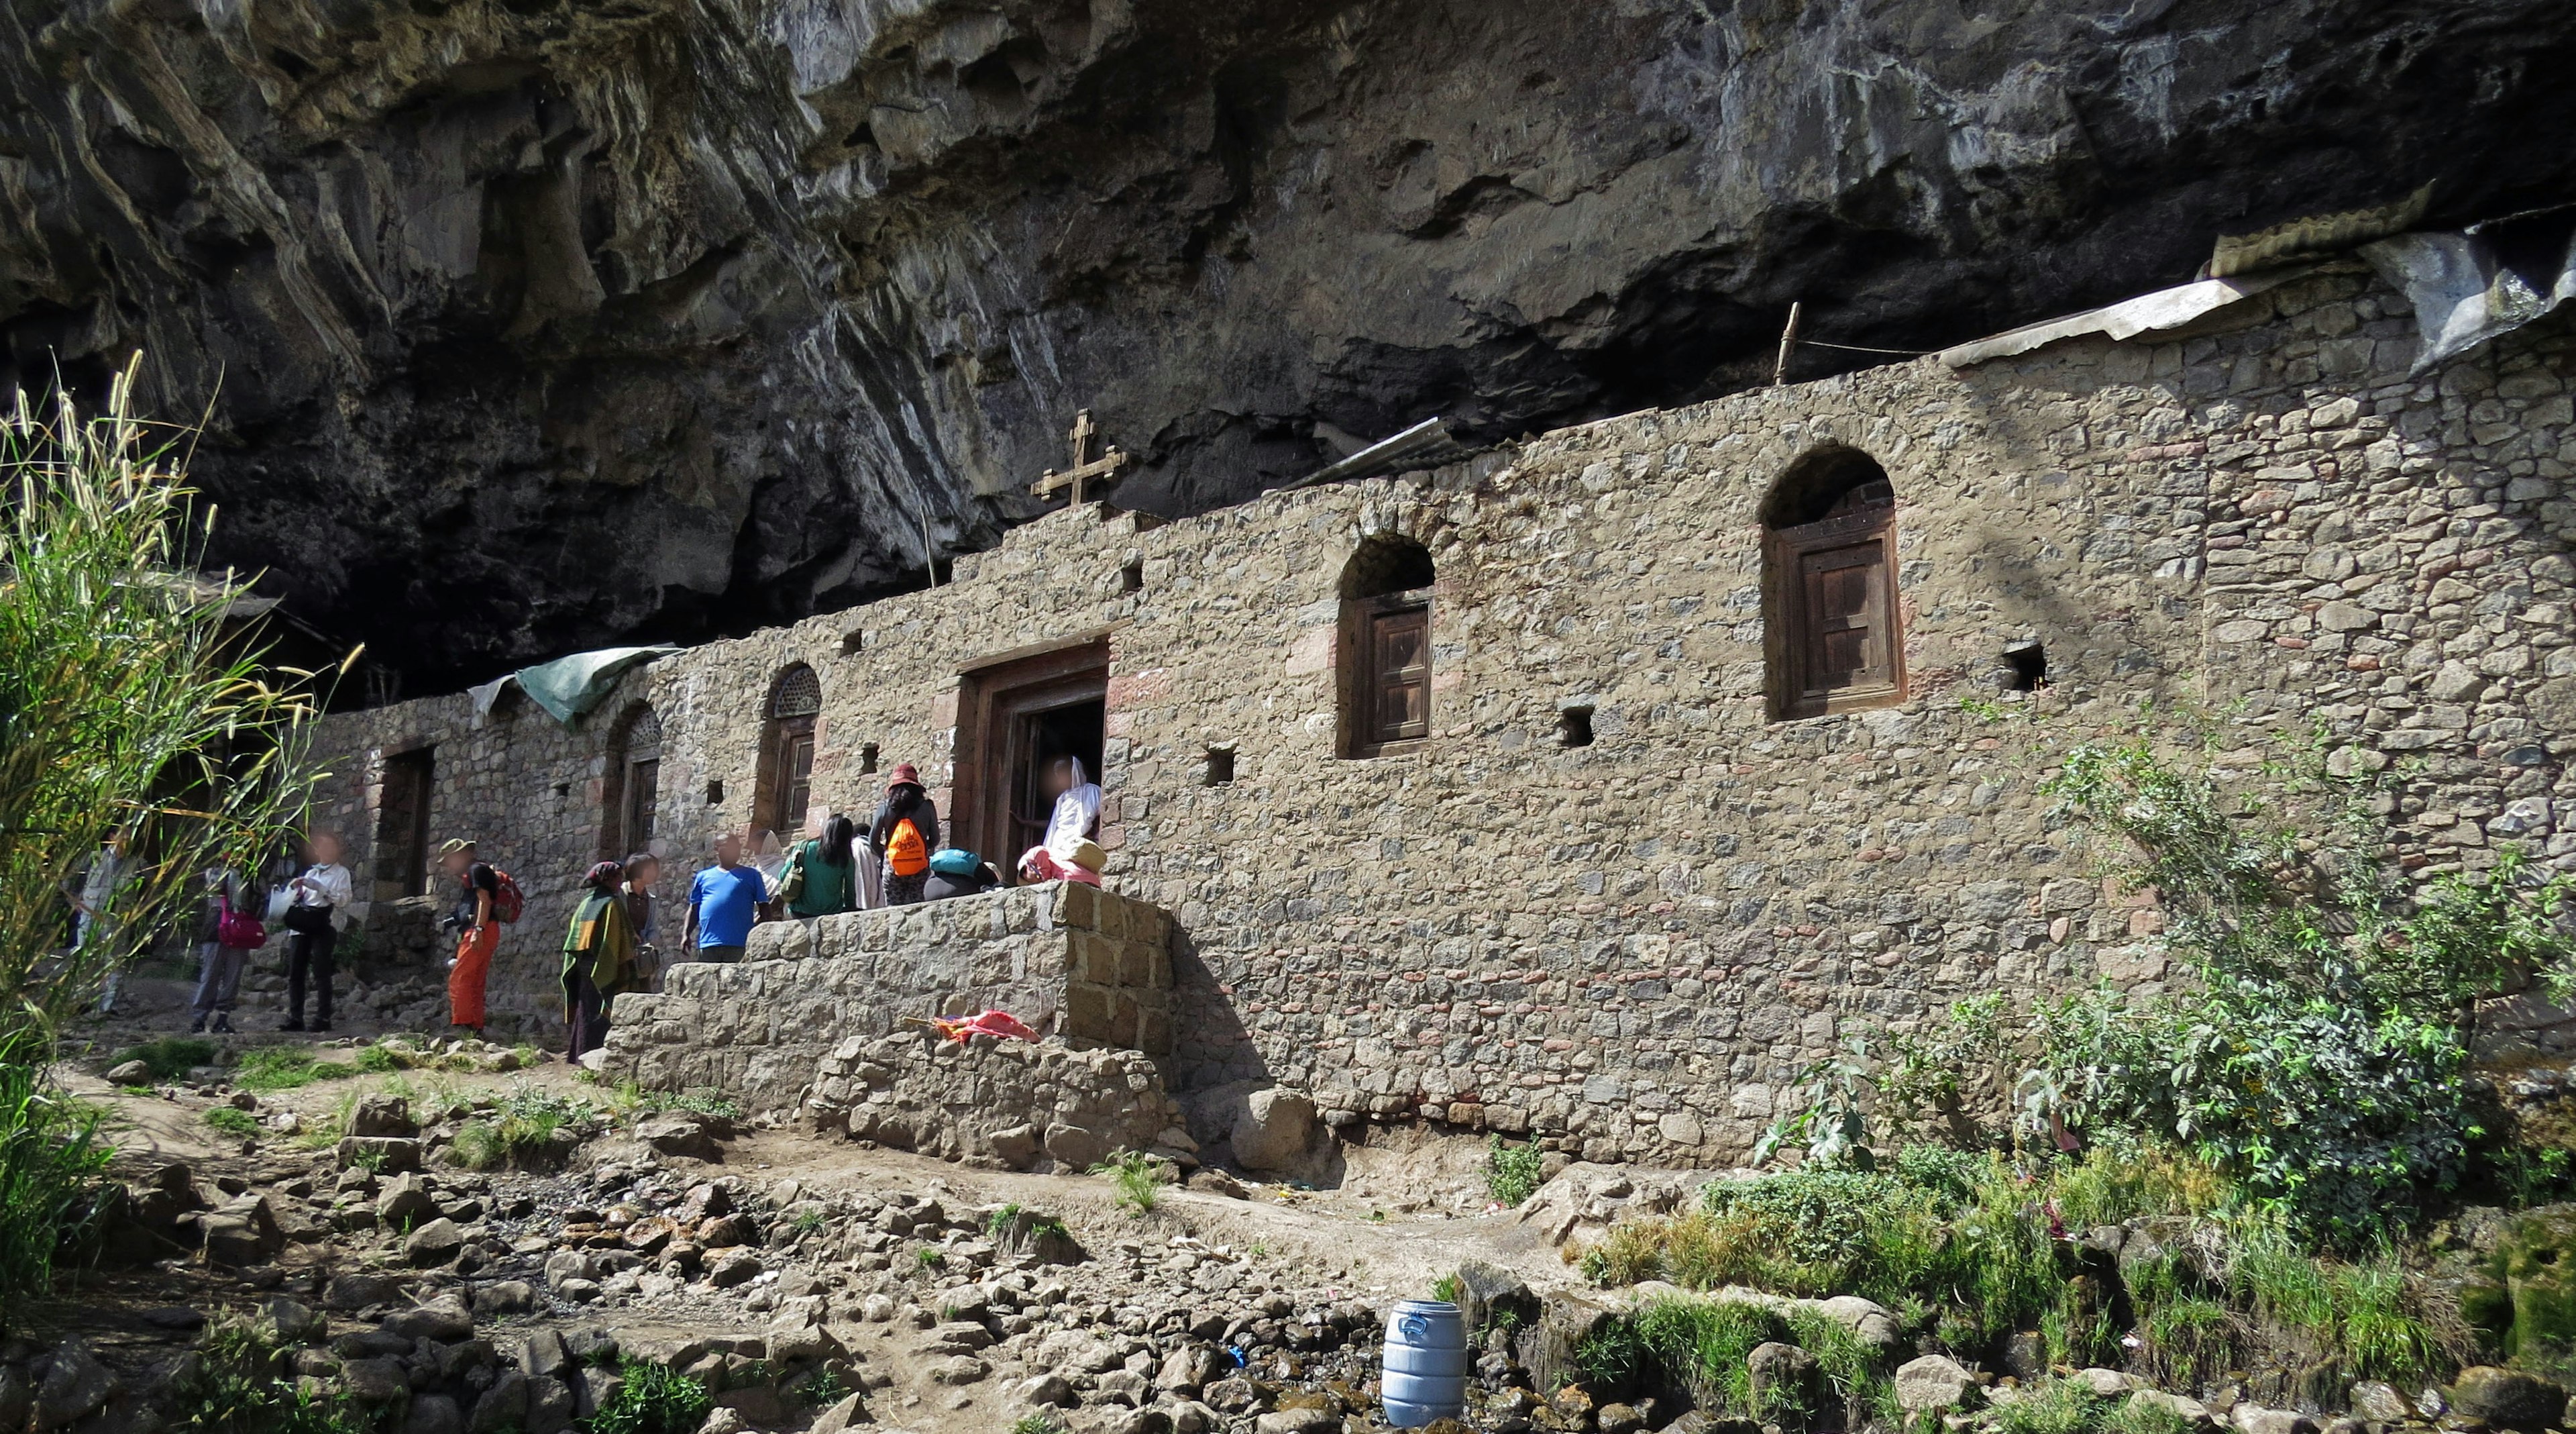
x,y
609,945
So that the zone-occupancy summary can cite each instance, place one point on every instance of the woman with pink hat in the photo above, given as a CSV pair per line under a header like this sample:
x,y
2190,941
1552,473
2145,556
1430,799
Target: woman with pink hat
x,y
904,834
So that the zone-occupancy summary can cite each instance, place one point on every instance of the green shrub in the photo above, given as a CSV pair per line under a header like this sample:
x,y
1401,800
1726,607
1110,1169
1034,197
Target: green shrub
x,y
1037,1424
1511,1172
654,1399
2319,1053
521,1130
50,1157
171,1056
379,1059
1139,1181
1447,1289
228,1121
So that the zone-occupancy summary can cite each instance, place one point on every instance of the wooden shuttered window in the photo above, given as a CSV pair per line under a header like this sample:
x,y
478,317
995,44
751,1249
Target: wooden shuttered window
x,y
1387,669
1835,644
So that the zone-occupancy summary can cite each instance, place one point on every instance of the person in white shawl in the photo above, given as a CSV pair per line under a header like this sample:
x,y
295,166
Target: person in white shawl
x,y
1073,820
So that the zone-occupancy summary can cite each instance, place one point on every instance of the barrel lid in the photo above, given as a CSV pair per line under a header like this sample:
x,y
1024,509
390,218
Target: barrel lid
x,y
1428,1307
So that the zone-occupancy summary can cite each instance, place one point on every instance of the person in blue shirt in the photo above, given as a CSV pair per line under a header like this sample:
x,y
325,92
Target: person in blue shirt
x,y
724,900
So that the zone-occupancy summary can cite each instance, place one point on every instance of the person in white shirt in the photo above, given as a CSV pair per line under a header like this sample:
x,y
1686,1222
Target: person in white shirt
x,y
317,909
96,904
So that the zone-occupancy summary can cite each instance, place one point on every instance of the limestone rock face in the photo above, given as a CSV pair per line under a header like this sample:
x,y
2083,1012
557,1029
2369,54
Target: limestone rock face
x,y
533,324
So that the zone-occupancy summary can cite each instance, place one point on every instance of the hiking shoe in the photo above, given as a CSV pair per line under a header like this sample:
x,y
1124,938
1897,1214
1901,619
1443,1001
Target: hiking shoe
x,y
197,1027
294,1025
223,1025
321,1025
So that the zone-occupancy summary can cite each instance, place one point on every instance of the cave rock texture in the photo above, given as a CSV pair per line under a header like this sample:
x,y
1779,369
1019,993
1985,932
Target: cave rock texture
x,y
521,325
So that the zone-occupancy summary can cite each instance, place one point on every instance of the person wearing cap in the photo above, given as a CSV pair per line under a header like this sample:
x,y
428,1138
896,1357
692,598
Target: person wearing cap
x,y
903,835
477,929
599,958
724,901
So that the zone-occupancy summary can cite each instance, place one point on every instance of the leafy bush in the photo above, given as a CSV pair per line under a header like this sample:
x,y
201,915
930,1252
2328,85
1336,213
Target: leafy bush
x,y
2320,1055
1511,1172
2050,1406
379,1059
171,1056
654,1399
239,1386
50,1154
228,1121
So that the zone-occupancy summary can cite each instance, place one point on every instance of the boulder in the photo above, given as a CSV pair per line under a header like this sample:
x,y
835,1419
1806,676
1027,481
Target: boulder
x,y
2379,1403
2257,1419
959,1369
434,1414
383,1154
17,1399
2507,1398
349,1293
74,1386
1485,1290
445,1319
404,1203
130,1073
504,1406
840,1418
1046,1391
435,1243
501,1297
1074,1147
1780,1374
680,1133
284,1321
1016,1145
1934,1384
380,1380
2105,1383
1191,1368
1268,1125
550,1406
242,1231
380,1116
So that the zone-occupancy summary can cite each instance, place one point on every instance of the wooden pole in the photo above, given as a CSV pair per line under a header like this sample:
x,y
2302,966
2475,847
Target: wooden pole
x,y
1788,345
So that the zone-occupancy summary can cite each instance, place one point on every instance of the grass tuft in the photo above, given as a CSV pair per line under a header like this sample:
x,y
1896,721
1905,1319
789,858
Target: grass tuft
x,y
228,1121
1139,1181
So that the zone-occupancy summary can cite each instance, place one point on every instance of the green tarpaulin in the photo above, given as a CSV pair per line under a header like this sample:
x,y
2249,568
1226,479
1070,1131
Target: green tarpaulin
x,y
569,686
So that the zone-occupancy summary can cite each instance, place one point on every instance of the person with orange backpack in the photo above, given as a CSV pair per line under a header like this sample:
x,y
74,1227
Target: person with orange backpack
x,y
486,899
904,834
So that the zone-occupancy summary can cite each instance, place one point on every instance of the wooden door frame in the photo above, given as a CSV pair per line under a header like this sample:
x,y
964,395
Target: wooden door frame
x,y
422,759
992,697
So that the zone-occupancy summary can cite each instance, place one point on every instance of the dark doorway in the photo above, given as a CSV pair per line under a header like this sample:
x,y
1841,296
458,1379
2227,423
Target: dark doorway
x,y
402,825
1015,717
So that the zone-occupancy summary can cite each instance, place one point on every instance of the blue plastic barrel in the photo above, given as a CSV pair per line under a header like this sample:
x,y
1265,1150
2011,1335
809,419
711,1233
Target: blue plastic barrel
x,y
1426,1364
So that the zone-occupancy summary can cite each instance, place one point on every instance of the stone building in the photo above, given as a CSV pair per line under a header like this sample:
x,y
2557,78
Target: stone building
x,y
1591,788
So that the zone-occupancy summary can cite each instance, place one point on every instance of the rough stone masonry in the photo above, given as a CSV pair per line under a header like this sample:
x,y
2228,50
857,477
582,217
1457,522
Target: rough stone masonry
x,y
1626,947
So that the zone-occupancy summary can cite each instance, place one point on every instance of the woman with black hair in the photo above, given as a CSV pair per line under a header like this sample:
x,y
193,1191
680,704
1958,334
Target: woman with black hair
x,y
821,878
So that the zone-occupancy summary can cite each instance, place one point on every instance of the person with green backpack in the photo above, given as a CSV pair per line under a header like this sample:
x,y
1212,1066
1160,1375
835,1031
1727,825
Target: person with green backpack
x,y
821,878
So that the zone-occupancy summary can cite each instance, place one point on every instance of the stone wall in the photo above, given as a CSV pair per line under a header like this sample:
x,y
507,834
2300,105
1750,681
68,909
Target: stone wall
x,y
1025,1105
1090,966
1627,947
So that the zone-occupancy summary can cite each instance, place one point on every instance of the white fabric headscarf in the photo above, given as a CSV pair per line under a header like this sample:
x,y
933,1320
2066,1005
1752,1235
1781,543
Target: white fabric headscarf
x,y
1075,814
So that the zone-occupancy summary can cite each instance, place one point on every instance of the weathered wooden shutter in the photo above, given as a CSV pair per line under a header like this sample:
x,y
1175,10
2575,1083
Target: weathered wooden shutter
x,y
1400,665
1838,646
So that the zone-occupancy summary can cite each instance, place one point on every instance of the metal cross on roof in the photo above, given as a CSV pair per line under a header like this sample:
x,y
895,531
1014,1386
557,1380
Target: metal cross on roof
x,y
1085,467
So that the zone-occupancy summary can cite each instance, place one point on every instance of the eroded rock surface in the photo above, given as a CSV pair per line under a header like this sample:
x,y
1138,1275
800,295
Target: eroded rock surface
x,y
528,324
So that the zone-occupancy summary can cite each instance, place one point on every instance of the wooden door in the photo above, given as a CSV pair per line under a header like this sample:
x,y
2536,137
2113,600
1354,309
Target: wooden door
x,y
996,701
792,759
402,825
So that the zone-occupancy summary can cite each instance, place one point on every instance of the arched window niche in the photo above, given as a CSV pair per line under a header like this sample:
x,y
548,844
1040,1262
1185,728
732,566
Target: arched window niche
x,y
786,782
631,787
1830,617
1384,655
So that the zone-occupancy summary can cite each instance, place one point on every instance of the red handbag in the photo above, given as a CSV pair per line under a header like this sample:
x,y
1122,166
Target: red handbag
x,y
238,929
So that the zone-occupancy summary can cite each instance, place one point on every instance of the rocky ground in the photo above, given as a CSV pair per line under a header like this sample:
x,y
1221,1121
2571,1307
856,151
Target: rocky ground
x,y
809,1283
